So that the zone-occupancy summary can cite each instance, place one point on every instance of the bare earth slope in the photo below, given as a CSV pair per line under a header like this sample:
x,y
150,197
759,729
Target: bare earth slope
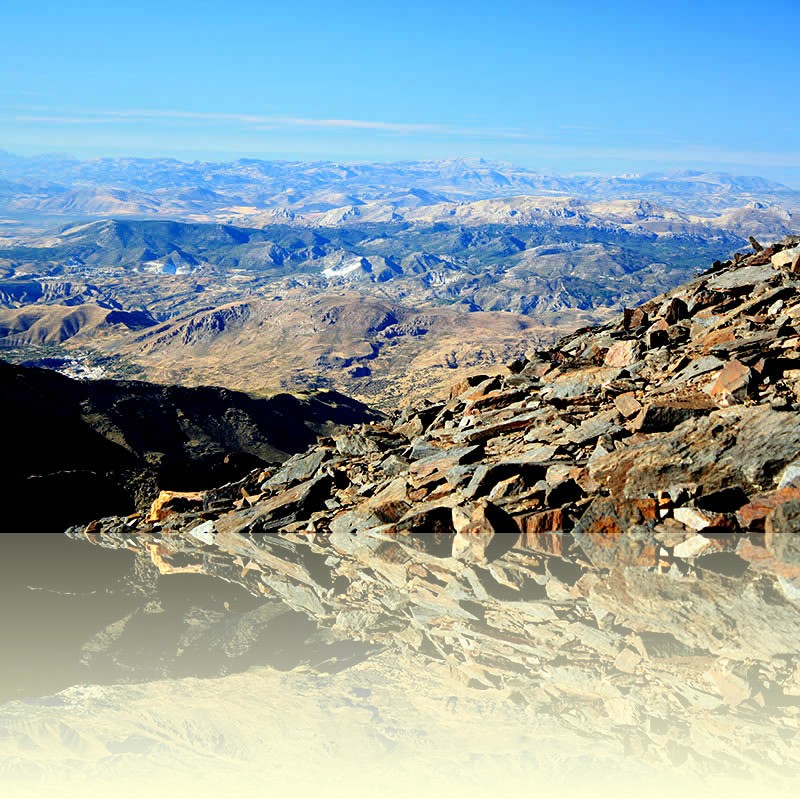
x,y
372,348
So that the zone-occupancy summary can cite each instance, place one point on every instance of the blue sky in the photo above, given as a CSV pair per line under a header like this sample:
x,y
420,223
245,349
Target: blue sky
x,y
579,86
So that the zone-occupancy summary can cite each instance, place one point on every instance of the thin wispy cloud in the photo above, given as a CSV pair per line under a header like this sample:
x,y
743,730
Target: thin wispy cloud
x,y
267,122
227,131
61,120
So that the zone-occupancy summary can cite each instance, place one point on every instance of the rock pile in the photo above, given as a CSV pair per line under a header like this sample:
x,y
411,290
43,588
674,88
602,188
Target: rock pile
x,y
608,533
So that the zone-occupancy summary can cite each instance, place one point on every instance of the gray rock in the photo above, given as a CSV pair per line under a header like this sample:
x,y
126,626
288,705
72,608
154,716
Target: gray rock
x,y
486,476
298,468
742,278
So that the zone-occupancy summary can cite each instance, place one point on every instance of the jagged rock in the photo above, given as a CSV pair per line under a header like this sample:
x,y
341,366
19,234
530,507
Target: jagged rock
x,y
169,502
694,519
463,386
627,404
623,353
657,335
744,278
665,415
601,424
280,509
634,317
732,383
786,259
489,431
674,310
444,460
298,468
488,475
541,531
646,571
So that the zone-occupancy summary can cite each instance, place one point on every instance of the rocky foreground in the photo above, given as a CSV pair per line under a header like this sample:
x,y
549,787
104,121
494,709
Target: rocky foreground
x,y
608,534
104,446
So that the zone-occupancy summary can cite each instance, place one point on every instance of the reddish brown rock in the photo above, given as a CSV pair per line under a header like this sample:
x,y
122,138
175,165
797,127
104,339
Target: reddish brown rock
x,y
753,516
623,353
494,399
537,530
714,339
634,317
732,384
627,404
674,310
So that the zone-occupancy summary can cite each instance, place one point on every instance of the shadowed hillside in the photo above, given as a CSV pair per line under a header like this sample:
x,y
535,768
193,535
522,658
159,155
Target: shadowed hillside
x,y
75,449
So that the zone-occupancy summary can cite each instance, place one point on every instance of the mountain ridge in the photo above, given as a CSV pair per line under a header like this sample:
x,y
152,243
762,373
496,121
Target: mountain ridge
x,y
606,534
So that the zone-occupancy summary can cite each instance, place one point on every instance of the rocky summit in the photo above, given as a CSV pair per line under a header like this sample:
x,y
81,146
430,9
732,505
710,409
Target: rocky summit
x,y
608,533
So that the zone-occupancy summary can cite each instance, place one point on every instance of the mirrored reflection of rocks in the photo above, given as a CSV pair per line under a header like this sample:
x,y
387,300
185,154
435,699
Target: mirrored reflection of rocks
x,y
682,648
73,614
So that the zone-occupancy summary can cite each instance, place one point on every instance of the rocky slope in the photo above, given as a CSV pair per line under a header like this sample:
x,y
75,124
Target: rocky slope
x,y
85,445
608,534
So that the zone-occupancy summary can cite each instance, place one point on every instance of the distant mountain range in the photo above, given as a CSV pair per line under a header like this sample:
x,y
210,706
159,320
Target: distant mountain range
x,y
268,276
53,185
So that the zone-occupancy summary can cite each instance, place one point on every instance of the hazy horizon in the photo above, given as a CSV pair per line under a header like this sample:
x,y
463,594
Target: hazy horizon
x,y
775,175
580,88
